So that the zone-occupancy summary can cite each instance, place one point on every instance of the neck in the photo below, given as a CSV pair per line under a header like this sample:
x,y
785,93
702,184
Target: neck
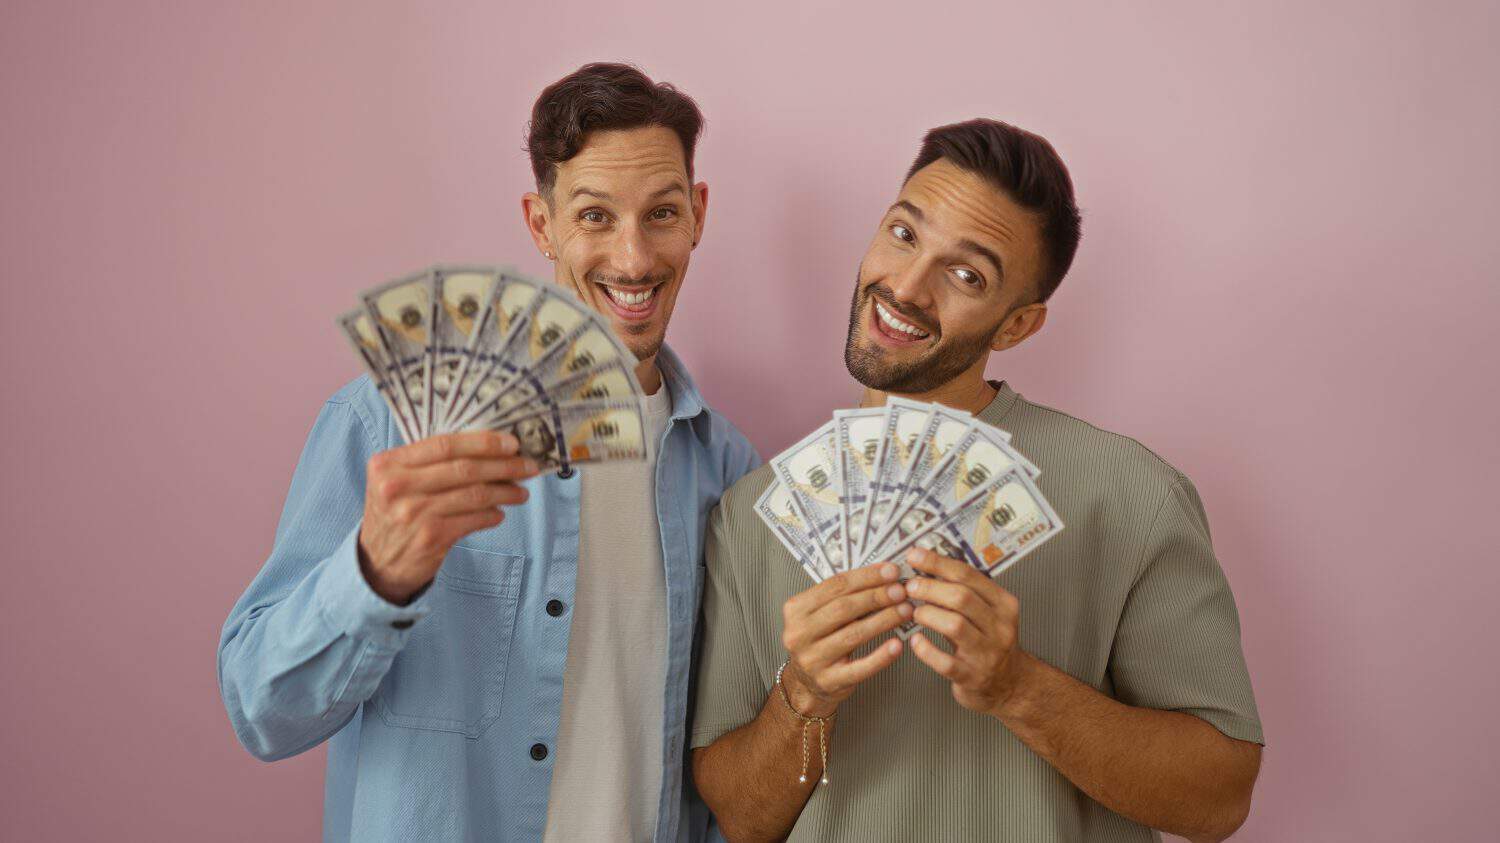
x,y
969,392
649,376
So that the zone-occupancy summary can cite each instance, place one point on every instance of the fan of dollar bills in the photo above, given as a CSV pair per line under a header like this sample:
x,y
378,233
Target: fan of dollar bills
x,y
871,484
481,348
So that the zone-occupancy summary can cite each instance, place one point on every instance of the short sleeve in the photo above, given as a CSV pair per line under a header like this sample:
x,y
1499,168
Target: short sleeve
x,y
1177,647
729,691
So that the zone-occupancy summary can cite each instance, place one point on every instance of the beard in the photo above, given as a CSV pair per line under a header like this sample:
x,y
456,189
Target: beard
x,y
872,367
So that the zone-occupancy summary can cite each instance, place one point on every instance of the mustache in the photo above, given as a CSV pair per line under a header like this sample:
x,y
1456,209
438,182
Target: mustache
x,y
888,298
647,280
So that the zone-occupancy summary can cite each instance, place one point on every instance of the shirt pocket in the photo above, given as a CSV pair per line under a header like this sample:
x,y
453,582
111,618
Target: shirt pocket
x,y
450,675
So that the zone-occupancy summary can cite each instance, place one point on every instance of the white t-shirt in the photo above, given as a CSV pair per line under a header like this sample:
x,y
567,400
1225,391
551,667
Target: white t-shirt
x,y
606,780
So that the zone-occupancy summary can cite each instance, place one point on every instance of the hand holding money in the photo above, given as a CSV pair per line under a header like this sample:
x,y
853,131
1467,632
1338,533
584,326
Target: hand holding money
x,y
826,623
981,619
423,497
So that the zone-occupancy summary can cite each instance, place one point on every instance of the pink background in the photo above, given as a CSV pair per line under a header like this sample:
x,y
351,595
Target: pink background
x,y
1287,270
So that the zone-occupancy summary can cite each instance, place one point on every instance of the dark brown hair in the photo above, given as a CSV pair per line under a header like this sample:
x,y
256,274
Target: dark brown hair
x,y
598,97
1028,169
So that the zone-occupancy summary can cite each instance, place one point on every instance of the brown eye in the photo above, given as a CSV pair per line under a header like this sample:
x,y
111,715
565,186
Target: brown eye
x,y
593,216
903,233
968,276
410,317
468,307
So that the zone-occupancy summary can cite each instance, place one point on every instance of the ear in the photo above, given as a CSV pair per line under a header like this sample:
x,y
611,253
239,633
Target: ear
x,y
536,211
1020,325
700,211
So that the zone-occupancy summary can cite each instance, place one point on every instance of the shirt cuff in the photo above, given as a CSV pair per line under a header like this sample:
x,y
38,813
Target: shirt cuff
x,y
353,607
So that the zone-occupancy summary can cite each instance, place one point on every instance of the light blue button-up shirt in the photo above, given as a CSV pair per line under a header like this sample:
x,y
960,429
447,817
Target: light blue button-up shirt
x,y
443,714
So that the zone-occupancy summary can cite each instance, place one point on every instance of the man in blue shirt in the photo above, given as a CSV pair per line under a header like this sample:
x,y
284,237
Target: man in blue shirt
x,y
515,674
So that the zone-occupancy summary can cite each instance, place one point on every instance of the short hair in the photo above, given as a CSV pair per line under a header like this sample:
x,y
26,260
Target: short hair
x,y
1028,170
598,97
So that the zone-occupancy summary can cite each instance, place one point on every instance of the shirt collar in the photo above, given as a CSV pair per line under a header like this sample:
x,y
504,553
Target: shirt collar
x,y
687,403
1004,399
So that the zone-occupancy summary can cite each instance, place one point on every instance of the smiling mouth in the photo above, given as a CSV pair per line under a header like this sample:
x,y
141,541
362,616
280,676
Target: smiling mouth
x,y
895,327
632,303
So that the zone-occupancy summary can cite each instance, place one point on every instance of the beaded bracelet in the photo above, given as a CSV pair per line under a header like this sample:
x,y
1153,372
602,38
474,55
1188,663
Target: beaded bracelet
x,y
806,722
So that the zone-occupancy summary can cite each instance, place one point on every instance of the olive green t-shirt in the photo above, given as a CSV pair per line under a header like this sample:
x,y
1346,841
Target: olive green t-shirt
x,y
1128,598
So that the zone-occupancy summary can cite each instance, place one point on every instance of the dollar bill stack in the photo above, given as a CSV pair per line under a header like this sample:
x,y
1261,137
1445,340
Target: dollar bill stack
x,y
871,484
481,348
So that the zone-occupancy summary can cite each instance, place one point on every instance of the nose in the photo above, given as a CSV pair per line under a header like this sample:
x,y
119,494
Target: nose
x,y
632,256
910,285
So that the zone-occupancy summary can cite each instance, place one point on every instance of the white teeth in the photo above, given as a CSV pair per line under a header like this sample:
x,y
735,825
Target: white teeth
x,y
630,299
891,321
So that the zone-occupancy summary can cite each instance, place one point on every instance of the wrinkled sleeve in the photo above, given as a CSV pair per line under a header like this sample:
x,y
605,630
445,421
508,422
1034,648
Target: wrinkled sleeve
x,y
1177,647
309,640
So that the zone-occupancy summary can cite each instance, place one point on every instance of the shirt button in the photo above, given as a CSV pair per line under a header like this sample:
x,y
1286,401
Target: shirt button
x,y
538,751
555,607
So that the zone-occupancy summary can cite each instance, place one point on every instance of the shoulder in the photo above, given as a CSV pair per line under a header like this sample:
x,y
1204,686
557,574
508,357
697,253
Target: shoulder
x,y
1069,449
360,403
720,436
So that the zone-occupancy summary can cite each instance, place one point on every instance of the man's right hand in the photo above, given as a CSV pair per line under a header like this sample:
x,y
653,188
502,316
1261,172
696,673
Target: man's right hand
x,y
423,497
826,623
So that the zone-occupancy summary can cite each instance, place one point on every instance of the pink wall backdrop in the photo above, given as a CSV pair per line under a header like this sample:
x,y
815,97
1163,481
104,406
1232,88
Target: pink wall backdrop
x,y
1287,274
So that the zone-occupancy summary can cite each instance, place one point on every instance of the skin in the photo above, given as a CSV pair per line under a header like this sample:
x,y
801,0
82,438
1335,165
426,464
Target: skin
x,y
423,497
958,259
623,214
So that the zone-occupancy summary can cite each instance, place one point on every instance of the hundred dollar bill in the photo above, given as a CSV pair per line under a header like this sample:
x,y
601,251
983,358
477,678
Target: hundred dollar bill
x,y
461,293
997,525
811,474
945,428
362,335
776,507
902,426
609,380
502,322
550,323
966,469
402,313
588,345
586,431
857,441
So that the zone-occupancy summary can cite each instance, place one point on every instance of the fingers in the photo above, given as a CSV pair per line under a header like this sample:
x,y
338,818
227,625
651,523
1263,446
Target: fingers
x,y
479,496
952,596
955,627
451,446
842,610
837,586
954,571
944,664
456,473
851,673
834,648
459,526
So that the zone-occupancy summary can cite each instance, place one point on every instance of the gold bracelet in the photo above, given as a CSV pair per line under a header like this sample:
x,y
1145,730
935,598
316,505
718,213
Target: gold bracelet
x,y
806,722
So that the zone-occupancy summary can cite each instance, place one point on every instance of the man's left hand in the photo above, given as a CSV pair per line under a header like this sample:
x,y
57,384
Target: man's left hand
x,y
980,618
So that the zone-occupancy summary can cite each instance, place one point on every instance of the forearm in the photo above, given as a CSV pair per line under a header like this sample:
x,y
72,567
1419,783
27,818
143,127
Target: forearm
x,y
750,777
1167,770
293,667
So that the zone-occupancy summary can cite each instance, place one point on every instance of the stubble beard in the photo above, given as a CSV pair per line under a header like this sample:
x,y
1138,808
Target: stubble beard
x,y
867,364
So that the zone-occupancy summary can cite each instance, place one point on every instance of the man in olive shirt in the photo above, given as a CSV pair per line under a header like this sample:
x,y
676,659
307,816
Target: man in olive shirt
x,y
1095,691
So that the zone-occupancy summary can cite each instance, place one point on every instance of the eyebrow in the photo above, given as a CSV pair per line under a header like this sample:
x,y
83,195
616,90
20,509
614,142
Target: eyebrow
x,y
599,194
966,244
984,251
